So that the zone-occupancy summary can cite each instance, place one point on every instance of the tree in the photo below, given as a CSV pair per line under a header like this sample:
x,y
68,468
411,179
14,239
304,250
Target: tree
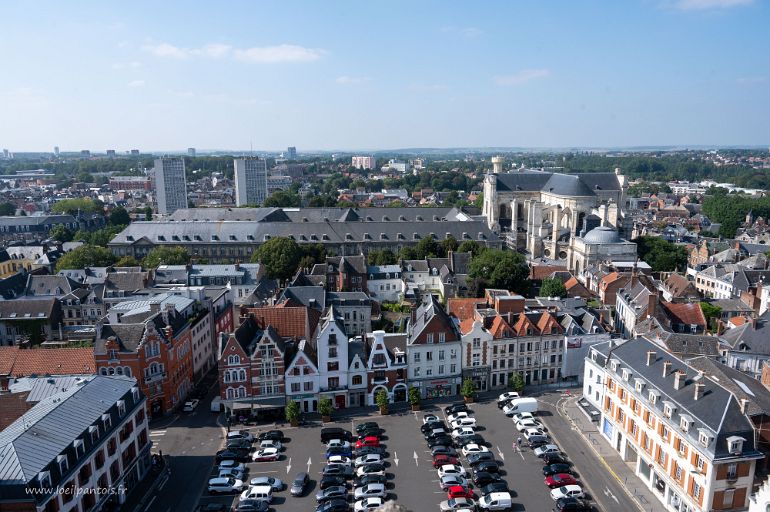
x,y
502,269
119,217
280,256
660,254
448,244
553,287
7,209
85,256
384,257
73,206
166,256
471,246
468,390
712,313
408,253
325,407
479,201
282,198
516,382
414,396
427,248
61,233
396,203
148,213
292,411
381,399
127,261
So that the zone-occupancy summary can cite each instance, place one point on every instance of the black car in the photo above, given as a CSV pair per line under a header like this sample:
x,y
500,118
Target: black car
x,y
477,458
440,440
538,441
369,431
436,433
473,439
331,481
481,479
572,505
239,444
427,427
252,506
494,487
232,454
443,450
553,469
555,458
270,435
366,426
367,450
336,505
338,470
369,479
332,493
487,466
451,409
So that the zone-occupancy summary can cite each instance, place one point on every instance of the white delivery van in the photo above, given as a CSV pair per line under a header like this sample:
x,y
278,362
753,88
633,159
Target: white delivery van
x,y
520,405
496,501
216,404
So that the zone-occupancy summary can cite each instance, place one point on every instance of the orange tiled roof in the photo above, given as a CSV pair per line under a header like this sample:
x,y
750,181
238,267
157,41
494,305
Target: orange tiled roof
x,y
737,321
7,357
539,272
500,328
53,361
685,312
609,279
463,308
466,325
521,325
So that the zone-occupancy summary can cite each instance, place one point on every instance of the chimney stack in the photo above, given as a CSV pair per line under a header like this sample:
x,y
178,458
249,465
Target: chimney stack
x,y
666,368
652,302
699,390
744,404
679,379
650,357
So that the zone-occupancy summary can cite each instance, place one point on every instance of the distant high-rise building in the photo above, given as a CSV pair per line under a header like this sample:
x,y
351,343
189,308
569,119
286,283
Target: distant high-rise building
x,y
170,185
363,162
85,154
291,153
6,154
190,151
110,153
56,151
134,151
250,180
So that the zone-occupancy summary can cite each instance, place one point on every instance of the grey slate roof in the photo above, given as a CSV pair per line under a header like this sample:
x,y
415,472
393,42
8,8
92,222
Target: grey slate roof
x,y
750,338
567,185
583,184
741,385
42,285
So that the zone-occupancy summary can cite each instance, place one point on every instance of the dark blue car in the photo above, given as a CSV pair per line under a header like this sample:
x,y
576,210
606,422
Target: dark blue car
x,y
345,452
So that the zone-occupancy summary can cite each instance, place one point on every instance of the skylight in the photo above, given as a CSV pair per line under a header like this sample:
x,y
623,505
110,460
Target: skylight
x,y
744,387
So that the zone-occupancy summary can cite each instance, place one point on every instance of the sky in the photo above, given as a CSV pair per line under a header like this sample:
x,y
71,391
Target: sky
x,y
365,75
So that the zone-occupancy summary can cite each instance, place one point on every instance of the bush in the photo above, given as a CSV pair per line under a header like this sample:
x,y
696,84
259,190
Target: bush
x,y
468,390
381,398
325,407
414,396
292,411
516,382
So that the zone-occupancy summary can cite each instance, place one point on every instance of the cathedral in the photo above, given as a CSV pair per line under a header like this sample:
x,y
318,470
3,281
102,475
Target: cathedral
x,y
573,219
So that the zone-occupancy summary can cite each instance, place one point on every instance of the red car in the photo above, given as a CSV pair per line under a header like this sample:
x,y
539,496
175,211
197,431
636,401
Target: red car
x,y
441,460
458,491
559,480
367,441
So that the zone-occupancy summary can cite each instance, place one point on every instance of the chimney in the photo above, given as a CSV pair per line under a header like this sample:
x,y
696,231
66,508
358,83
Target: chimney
x,y
666,367
744,404
699,390
650,357
652,301
679,379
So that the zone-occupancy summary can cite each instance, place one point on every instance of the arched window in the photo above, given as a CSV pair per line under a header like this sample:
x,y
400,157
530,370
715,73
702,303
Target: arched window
x,y
241,392
357,380
227,377
112,371
233,360
242,375
230,393
119,370
127,371
103,371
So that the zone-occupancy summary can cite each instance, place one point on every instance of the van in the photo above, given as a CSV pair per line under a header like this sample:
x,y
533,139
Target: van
x,y
496,501
519,405
327,434
259,493
216,404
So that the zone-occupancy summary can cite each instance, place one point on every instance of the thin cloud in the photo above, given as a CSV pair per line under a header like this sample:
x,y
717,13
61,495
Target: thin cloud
x,y
751,80
704,5
134,84
351,80
522,77
263,54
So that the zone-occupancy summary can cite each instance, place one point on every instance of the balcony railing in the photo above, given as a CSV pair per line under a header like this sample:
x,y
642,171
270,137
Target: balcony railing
x,y
379,380
333,388
155,377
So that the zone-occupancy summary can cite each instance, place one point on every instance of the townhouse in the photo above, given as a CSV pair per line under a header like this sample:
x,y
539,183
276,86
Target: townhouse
x,y
386,366
332,349
302,377
384,283
687,436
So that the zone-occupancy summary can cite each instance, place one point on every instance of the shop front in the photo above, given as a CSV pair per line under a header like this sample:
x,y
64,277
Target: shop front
x,y
440,387
479,375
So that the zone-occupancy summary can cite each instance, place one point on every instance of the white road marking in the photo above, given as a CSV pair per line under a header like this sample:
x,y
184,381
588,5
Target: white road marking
x,y
157,432
500,453
415,459
607,492
309,462
150,504
163,483
288,468
395,458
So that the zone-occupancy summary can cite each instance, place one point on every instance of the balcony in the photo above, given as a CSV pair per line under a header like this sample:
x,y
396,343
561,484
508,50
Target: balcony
x,y
155,377
379,380
333,388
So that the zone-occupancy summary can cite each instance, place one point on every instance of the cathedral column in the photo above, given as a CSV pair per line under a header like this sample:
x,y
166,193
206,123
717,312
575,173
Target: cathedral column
x,y
555,234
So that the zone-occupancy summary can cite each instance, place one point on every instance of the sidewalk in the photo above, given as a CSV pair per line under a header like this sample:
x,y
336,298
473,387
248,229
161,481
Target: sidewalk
x,y
641,496
141,493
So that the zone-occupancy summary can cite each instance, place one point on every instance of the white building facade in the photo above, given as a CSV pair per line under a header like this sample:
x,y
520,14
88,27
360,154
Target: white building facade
x,y
250,180
170,185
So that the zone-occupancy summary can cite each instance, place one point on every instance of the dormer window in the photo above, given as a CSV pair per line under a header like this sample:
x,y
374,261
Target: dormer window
x,y
653,396
61,460
44,477
704,438
735,445
685,422
639,385
626,374
214,238
614,365
121,408
80,448
668,409
135,394
266,238
94,431
107,421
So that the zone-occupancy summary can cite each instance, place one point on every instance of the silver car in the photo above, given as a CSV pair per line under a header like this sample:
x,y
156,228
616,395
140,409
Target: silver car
x,y
275,483
299,483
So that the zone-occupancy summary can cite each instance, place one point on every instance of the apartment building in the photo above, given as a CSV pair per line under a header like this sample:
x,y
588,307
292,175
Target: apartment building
x,y
170,185
686,435
250,181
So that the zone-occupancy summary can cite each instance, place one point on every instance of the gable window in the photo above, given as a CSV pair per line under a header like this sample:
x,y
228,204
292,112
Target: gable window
x,y
441,337
121,407
79,447
107,420
685,423
429,337
653,397
94,431
357,380
234,359
703,438
44,477
61,460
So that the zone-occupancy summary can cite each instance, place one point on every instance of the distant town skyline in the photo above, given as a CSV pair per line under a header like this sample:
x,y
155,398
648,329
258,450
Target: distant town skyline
x,y
353,76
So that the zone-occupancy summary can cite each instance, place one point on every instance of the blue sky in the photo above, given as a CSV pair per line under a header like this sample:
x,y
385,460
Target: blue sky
x,y
383,74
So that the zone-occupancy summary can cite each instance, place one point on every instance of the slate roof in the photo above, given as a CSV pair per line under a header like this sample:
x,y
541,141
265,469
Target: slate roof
x,y
743,386
43,285
33,441
570,185
29,308
13,286
583,184
428,310
313,297
717,411
749,337
680,287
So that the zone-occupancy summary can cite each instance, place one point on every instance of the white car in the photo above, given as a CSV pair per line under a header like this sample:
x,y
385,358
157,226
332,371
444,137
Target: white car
x,y
523,416
456,416
510,395
370,491
464,422
190,405
546,449
457,504
429,418
450,469
567,491
266,455
529,432
339,460
238,474
473,448
451,481
338,443
368,504
269,443
368,459
463,432
222,485
240,434
525,424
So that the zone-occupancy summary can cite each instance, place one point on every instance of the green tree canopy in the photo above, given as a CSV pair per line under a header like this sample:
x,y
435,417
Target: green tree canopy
x,y
7,209
553,287
660,254
119,216
73,206
166,256
516,382
282,198
280,256
384,257
448,244
128,261
61,233
86,256
503,269
471,246
427,248
100,237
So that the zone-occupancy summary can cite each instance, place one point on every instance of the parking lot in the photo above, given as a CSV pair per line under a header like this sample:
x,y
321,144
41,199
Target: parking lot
x,y
412,480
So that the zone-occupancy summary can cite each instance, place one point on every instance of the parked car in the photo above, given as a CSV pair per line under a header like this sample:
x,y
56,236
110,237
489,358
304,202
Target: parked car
x,y
559,467
338,470
221,485
339,460
522,416
252,506
329,433
366,426
476,458
370,491
568,491
443,450
190,405
501,486
546,449
560,480
331,481
529,433
338,443
427,427
457,504
555,458
455,408
299,484
537,441
368,504
428,418
275,483
335,505
457,416
486,466
366,450
474,439
232,454
270,435
473,448
371,469
367,459
367,441
240,434
503,399
266,455
451,469
572,505
330,493
233,465
344,452
481,479
463,432
370,432
458,491
238,474
436,432
370,479
441,460
449,481
523,425
495,501
440,440
239,444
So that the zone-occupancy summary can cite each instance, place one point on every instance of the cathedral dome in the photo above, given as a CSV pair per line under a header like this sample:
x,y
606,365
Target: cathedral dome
x,y
602,235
